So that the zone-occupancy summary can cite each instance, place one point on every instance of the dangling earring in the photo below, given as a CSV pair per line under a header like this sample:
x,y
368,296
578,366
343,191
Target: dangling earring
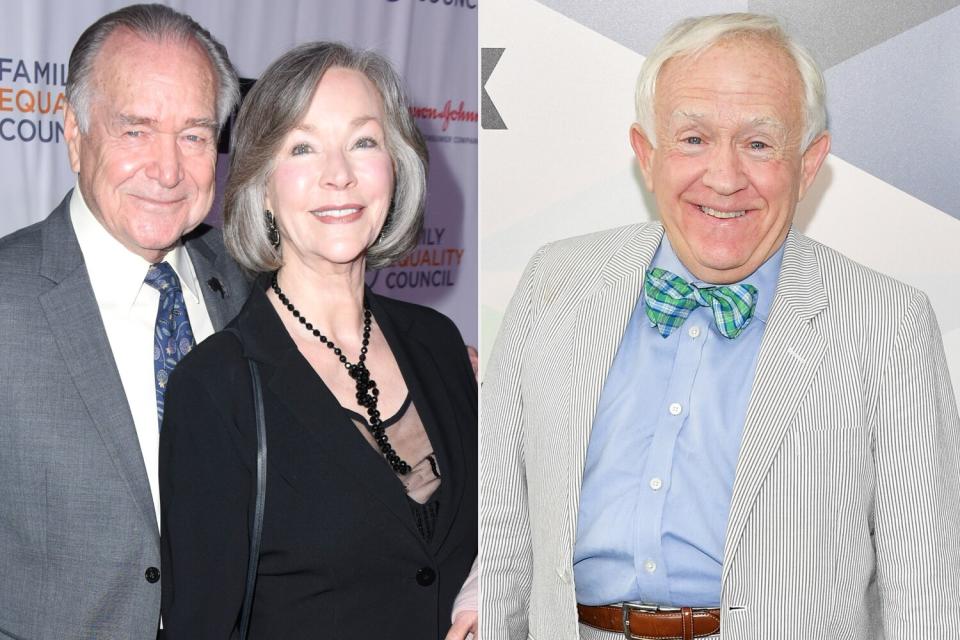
x,y
383,229
273,234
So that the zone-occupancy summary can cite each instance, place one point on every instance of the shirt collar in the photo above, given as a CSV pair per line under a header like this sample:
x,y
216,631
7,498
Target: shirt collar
x,y
764,278
108,261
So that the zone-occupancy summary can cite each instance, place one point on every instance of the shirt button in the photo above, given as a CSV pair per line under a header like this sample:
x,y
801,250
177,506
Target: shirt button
x,y
675,409
693,331
656,483
650,566
152,574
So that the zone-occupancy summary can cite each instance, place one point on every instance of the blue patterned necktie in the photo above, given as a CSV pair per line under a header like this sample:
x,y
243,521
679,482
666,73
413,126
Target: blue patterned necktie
x,y
670,299
172,335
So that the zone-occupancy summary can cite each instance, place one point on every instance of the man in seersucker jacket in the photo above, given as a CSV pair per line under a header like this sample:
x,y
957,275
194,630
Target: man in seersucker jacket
x,y
716,425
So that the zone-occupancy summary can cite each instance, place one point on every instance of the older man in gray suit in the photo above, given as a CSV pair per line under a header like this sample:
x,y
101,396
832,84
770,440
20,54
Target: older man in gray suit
x,y
97,304
714,424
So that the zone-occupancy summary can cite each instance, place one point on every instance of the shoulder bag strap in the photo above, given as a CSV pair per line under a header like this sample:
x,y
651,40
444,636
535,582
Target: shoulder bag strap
x,y
256,532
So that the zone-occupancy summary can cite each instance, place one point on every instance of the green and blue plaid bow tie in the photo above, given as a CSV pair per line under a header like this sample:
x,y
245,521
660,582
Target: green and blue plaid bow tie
x,y
670,299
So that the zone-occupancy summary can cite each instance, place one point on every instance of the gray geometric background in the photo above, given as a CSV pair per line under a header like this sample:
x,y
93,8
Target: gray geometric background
x,y
895,111
892,71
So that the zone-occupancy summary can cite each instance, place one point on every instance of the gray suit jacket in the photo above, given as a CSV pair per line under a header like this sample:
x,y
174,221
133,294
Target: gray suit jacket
x,y
77,524
846,504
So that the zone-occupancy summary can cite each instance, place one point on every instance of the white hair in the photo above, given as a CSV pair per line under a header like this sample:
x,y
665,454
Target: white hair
x,y
154,22
695,35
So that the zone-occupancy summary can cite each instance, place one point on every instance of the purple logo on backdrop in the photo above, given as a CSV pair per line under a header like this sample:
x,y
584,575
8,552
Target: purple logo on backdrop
x,y
431,265
464,4
35,109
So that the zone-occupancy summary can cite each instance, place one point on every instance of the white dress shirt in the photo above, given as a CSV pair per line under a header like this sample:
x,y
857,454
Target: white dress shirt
x,y
128,308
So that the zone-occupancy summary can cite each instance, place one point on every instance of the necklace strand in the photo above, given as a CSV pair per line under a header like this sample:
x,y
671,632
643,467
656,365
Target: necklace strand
x,y
367,391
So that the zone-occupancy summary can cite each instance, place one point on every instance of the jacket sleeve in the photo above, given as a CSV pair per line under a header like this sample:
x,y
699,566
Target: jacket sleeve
x,y
506,564
205,492
917,510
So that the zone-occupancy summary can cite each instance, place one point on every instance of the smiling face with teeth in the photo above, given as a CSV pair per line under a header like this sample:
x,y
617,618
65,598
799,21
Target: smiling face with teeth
x,y
332,180
727,170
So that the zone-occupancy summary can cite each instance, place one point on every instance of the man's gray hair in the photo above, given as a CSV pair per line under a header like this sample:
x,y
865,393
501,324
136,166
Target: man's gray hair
x,y
153,22
275,105
695,35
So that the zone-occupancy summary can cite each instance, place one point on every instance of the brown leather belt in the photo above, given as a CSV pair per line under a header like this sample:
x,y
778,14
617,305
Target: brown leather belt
x,y
641,622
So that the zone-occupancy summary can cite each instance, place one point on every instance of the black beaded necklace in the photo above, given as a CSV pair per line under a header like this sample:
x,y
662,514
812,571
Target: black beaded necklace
x,y
367,390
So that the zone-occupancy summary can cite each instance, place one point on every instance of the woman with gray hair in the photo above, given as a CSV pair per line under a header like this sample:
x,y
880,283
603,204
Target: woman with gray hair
x,y
369,404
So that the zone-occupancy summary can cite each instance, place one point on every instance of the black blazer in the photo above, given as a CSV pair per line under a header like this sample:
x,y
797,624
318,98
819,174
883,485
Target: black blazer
x,y
341,555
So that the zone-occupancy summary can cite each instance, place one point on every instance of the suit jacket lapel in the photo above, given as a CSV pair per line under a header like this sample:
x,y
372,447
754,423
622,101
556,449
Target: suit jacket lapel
x,y
74,318
599,323
223,304
790,354
426,387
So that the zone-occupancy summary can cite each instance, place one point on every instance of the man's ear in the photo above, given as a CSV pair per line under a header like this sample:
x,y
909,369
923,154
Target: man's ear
x,y
73,136
811,161
644,150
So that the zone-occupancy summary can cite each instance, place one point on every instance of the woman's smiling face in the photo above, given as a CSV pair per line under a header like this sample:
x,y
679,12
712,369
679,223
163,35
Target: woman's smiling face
x,y
332,180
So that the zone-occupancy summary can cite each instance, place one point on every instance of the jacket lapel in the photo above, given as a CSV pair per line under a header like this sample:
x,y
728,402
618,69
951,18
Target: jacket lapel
x,y
321,432
71,311
600,320
426,387
790,354
222,300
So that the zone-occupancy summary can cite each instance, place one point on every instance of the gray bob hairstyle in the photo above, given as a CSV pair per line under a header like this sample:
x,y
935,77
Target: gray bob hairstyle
x,y
151,22
695,35
275,105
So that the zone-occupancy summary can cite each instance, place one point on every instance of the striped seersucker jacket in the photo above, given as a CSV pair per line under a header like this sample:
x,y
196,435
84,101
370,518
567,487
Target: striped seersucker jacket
x,y
845,516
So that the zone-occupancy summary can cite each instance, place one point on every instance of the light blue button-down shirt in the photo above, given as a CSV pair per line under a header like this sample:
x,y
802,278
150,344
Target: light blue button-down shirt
x,y
663,452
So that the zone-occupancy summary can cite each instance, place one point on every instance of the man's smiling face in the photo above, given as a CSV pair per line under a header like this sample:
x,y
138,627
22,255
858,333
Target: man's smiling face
x,y
727,170
146,162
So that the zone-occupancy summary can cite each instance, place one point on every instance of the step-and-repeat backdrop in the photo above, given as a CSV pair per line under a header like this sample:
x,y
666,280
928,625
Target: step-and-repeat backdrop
x,y
888,195
432,43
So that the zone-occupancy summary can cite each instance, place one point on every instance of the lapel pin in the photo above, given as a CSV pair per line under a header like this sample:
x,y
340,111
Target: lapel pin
x,y
216,287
